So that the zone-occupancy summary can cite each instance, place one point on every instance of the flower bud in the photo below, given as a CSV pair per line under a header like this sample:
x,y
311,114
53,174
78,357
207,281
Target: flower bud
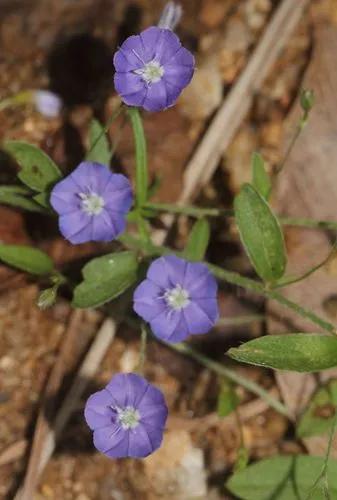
x,y
307,99
170,16
47,298
47,103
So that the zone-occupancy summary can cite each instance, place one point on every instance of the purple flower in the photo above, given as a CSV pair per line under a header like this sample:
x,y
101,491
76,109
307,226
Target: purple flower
x,y
178,299
152,69
47,103
128,417
92,203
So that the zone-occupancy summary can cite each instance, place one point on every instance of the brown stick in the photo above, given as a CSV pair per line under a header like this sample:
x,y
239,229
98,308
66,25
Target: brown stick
x,y
85,373
46,412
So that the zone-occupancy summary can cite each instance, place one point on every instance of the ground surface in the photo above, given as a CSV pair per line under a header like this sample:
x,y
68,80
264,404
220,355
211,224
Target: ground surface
x,y
222,34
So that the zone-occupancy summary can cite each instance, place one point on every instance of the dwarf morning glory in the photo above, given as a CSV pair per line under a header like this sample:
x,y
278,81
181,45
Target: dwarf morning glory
x,y
92,203
152,69
128,417
178,298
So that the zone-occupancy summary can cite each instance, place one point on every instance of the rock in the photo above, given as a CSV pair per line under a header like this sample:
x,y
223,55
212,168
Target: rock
x,y
176,471
204,94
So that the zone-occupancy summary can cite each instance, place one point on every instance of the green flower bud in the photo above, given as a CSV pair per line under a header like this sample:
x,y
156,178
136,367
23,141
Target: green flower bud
x,y
47,298
307,99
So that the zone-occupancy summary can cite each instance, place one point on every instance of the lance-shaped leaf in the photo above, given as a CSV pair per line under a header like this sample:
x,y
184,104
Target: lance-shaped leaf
x,y
301,352
38,171
105,278
25,258
19,196
261,180
283,478
198,240
260,234
99,149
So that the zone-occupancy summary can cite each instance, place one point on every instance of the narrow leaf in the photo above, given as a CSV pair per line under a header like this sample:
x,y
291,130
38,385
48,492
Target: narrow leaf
x,y
38,171
105,278
198,240
299,352
99,149
141,156
319,417
260,234
19,196
261,179
31,260
283,478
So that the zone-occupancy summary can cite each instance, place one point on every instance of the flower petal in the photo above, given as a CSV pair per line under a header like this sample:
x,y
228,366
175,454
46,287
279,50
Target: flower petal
x,y
147,301
112,440
140,444
167,46
118,389
165,324
64,197
97,411
210,307
197,320
91,177
128,83
150,38
156,97
76,227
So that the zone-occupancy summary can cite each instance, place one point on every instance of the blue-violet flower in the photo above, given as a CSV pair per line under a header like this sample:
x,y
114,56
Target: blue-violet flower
x,y
128,417
152,69
92,203
178,298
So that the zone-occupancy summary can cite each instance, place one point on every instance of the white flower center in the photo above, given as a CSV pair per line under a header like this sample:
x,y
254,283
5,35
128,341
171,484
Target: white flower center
x,y
128,417
177,298
152,72
92,203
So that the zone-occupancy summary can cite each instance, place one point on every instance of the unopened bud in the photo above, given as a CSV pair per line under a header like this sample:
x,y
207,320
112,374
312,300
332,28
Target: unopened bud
x,y
47,103
47,298
170,16
307,99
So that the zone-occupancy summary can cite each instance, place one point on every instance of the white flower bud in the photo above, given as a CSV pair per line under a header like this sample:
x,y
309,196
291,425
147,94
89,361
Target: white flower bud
x,y
170,16
47,103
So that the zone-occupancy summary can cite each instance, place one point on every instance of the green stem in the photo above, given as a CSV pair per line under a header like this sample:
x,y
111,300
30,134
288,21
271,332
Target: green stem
x,y
255,286
190,210
142,351
231,375
141,156
106,129
197,212
290,281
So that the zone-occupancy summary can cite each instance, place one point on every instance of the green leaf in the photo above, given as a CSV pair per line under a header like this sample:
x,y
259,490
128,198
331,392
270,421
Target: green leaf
x,y
18,196
198,240
260,234
301,352
31,260
38,171
99,150
318,418
283,478
43,200
228,400
261,180
141,156
105,278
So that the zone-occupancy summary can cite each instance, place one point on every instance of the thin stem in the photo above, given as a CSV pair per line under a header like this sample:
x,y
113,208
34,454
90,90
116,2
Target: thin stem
x,y
142,351
112,118
189,210
231,375
240,320
197,212
308,223
290,281
257,287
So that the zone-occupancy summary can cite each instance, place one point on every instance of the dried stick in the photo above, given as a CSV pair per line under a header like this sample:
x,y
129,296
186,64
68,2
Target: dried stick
x,y
46,412
86,371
